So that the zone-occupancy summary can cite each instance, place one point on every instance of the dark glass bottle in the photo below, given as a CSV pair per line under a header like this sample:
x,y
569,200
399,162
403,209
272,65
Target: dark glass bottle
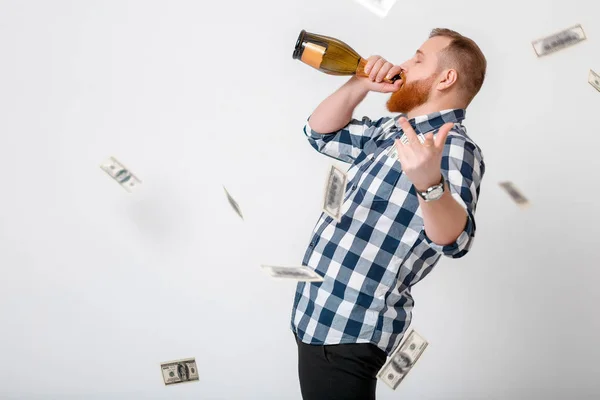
x,y
331,56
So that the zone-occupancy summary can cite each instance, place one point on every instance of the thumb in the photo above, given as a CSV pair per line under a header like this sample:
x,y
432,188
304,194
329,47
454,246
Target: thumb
x,y
386,87
429,141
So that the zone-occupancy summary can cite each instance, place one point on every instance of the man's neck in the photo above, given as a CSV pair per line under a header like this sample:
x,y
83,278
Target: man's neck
x,y
431,107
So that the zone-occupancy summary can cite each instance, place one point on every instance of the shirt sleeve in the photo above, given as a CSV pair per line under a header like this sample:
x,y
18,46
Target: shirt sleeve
x,y
463,168
347,143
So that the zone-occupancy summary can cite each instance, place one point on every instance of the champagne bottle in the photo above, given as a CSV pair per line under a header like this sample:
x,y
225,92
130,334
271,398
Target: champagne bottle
x,y
331,56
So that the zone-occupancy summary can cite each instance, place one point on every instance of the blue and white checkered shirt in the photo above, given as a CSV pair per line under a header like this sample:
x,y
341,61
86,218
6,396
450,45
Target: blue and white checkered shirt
x,y
370,260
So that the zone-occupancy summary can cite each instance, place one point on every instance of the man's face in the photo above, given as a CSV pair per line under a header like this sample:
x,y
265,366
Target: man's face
x,y
421,74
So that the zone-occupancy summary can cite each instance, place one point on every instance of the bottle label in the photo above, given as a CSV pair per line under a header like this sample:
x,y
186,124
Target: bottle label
x,y
313,54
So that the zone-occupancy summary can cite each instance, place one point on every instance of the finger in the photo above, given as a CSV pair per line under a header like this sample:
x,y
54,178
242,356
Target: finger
x,y
440,140
391,87
395,70
429,142
398,84
378,64
383,71
408,131
399,147
401,151
370,62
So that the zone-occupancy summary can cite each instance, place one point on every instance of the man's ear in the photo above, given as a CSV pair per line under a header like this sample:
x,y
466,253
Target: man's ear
x,y
448,77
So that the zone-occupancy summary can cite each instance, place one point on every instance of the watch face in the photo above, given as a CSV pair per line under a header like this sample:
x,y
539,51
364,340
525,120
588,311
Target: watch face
x,y
436,193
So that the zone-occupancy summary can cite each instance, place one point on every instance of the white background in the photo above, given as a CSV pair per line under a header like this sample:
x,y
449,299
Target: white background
x,y
100,286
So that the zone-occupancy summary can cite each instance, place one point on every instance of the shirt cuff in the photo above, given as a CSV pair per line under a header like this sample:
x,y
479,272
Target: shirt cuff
x,y
308,131
461,245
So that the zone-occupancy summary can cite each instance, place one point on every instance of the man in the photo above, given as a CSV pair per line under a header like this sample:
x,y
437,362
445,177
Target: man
x,y
400,213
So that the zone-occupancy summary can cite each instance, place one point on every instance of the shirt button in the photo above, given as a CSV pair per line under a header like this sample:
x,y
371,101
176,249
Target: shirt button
x,y
312,244
353,187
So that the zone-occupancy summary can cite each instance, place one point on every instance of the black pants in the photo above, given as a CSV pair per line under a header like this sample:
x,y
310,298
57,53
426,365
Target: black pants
x,y
339,372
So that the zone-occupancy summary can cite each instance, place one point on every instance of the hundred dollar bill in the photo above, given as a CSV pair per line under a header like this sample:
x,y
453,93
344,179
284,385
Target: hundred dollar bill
x,y
120,174
179,371
402,360
234,204
388,129
378,7
302,273
594,80
559,41
393,152
334,193
515,194
404,138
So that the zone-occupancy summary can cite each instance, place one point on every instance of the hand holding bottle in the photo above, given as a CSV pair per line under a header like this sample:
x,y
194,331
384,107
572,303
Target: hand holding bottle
x,y
378,69
334,57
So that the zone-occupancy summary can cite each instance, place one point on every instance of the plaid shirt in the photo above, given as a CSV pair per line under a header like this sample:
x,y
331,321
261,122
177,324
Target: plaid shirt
x,y
379,250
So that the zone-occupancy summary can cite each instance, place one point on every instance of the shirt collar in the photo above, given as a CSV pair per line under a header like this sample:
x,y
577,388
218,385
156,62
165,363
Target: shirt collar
x,y
430,122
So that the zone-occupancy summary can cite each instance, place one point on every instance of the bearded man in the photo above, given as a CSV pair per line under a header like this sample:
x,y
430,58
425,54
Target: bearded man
x,y
412,189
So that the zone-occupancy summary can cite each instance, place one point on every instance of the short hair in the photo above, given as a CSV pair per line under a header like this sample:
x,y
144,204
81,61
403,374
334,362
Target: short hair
x,y
463,54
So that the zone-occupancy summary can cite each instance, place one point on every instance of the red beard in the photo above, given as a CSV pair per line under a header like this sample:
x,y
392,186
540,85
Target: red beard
x,y
410,96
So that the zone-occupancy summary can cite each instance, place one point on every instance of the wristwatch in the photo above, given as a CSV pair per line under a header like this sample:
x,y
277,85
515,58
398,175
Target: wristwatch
x,y
434,192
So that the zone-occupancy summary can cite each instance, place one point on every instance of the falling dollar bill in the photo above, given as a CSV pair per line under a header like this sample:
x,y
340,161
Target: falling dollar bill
x,y
179,371
404,138
302,273
334,193
380,8
388,129
393,151
402,360
559,41
121,174
234,204
594,80
515,194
